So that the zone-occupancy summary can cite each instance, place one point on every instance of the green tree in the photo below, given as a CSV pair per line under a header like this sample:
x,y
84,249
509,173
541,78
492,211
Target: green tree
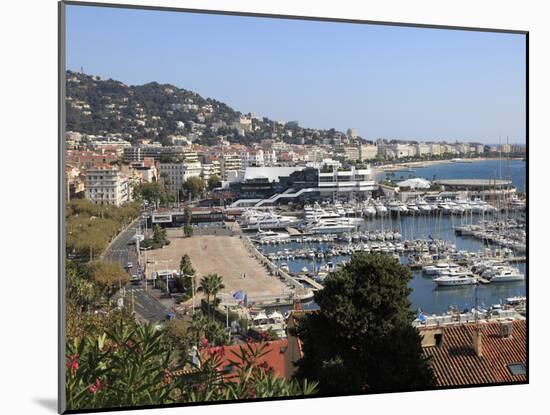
x,y
202,327
188,230
80,290
211,285
153,193
109,276
185,282
214,181
188,214
131,365
362,339
186,267
159,235
125,367
194,186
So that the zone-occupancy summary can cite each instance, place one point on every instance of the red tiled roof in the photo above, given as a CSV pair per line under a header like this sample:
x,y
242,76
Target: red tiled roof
x,y
274,356
455,363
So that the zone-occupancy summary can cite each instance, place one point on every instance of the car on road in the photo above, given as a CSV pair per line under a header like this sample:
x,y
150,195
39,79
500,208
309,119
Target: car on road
x,y
129,265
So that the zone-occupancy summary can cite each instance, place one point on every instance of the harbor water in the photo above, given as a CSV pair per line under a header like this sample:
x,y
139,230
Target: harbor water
x,y
425,294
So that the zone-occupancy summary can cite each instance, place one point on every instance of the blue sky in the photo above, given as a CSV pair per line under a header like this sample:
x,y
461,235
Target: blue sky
x,y
386,81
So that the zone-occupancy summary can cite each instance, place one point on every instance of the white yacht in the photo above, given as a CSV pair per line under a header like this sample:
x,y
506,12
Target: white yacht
x,y
252,220
380,208
397,207
271,236
369,210
412,207
464,205
423,206
445,207
455,281
506,274
332,226
456,272
438,268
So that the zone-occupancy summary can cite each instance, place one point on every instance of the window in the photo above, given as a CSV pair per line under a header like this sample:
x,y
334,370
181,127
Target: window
x,y
517,369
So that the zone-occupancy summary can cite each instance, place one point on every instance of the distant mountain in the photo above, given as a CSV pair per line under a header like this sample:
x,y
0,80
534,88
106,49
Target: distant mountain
x,y
156,111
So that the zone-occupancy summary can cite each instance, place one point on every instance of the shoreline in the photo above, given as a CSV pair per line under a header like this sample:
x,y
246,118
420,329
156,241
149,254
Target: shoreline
x,y
428,163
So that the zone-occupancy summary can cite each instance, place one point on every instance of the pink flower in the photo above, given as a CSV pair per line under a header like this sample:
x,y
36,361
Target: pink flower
x,y
72,362
96,386
218,351
204,343
166,377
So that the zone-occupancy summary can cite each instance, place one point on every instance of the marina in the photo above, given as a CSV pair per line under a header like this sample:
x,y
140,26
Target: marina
x,y
484,240
454,242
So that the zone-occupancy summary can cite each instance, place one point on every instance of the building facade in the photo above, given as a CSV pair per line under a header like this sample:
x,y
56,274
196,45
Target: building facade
x,y
106,185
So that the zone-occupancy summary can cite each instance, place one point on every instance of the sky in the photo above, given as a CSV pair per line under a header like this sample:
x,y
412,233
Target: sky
x,y
385,81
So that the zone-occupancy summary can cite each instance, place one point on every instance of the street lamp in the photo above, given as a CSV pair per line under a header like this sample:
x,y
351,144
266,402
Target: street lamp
x,y
227,317
192,289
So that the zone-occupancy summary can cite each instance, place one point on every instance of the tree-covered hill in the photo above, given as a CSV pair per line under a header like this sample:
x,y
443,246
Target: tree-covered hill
x,y
156,111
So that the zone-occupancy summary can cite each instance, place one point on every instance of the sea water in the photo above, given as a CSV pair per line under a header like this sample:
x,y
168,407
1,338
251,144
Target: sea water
x,y
514,170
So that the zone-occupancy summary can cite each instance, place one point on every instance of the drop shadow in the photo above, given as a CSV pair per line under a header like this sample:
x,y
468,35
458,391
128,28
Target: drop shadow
x,y
48,403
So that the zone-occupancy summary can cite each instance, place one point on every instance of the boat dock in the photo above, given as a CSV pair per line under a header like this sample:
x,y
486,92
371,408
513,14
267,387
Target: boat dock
x,y
314,284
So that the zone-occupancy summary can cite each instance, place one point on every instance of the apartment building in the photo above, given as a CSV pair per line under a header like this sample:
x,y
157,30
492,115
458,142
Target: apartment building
x,y
174,175
368,152
104,184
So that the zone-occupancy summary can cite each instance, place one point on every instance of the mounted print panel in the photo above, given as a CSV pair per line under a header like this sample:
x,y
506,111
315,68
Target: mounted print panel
x,y
258,207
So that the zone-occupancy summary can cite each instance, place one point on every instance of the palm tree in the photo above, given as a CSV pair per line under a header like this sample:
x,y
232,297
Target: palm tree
x,y
185,265
211,286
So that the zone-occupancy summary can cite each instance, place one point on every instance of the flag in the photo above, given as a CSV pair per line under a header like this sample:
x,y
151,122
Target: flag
x,y
421,317
238,295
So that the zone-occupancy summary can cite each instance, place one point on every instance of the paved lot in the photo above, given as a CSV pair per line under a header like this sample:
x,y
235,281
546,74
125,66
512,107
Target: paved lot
x,y
222,254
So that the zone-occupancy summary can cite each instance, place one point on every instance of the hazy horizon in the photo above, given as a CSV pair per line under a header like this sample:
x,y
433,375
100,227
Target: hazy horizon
x,y
386,81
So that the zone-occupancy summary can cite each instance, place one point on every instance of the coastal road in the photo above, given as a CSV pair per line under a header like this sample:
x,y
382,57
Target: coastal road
x,y
121,251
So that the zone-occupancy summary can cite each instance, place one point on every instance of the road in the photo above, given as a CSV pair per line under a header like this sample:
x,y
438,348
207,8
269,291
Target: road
x,y
120,251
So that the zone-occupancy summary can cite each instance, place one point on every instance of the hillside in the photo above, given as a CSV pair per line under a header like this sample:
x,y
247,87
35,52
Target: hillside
x,y
156,111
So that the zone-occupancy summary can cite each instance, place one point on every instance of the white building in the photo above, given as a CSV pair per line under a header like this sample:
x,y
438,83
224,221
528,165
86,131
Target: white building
x,y
211,169
435,149
368,152
404,150
351,153
270,158
175,174
352,133
422,149
106,185
243,123
230,163
345,183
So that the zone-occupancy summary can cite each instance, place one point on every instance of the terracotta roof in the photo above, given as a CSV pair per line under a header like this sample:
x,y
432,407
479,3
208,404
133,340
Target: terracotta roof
x,y
455,362
274,356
